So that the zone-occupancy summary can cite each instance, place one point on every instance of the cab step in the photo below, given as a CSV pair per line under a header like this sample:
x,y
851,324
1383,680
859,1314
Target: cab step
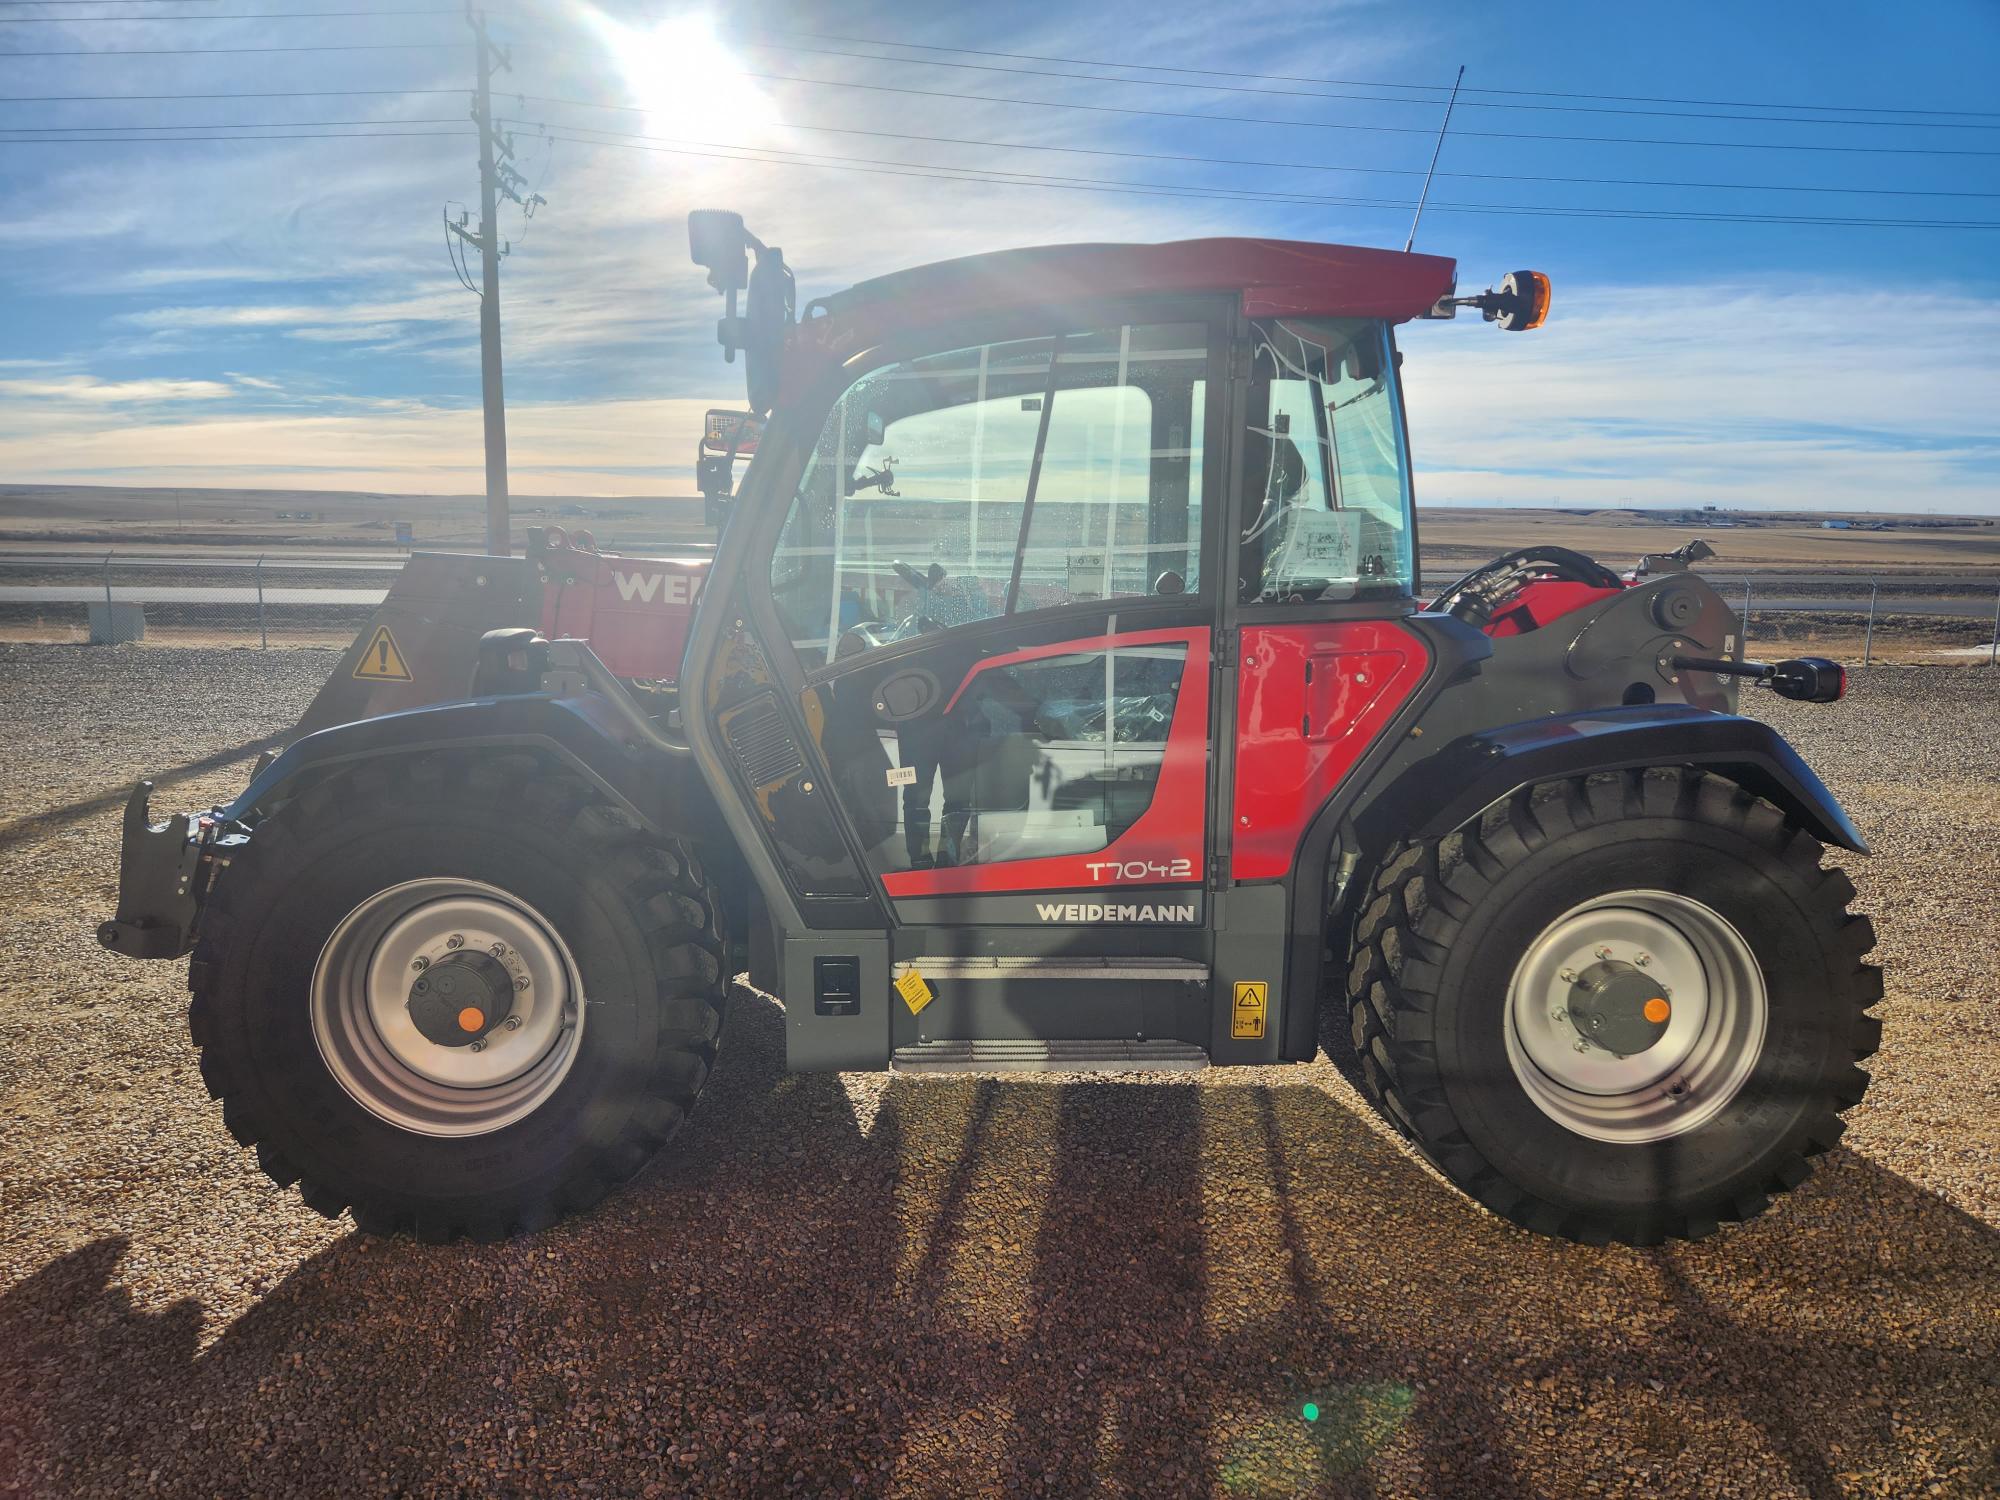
x,y
1085,1056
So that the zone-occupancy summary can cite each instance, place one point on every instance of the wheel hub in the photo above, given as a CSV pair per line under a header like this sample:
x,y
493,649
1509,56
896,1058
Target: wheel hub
x,y
460,998
447,1006
1616,1005
1635,1016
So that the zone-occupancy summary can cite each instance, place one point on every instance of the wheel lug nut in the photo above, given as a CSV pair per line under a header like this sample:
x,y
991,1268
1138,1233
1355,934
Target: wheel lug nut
x,y
1604,953
420,963
498,950
1558,1014
521,983
512,1023
456,940
1567,976
1644,960
480,1045
1581,1045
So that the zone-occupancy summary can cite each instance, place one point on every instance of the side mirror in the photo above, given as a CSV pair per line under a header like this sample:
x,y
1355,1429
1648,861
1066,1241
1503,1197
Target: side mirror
x,y
718,242
1809,679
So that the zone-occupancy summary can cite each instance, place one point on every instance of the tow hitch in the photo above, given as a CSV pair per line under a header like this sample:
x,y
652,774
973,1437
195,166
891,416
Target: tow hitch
x,y
158,874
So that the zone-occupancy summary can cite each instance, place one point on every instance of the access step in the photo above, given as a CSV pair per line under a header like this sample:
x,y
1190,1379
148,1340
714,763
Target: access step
x,y
1086,1056
1071,1000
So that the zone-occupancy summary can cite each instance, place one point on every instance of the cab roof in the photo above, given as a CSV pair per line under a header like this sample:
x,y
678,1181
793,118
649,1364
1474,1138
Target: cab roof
x,y
1274,278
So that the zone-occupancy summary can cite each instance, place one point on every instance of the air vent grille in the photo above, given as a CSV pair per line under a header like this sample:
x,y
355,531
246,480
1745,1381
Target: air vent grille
x,y
763,746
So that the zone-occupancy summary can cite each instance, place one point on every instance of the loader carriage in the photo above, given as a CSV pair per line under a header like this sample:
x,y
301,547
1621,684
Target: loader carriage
x,y
1057,697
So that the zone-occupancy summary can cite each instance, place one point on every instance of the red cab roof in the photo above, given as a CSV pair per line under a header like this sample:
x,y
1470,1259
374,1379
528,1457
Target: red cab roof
x,y
1275,278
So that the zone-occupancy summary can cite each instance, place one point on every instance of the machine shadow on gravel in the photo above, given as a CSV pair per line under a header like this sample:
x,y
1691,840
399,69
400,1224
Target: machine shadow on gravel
x,y
1113,1287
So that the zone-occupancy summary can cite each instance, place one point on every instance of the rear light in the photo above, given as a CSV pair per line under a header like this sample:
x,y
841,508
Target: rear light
x,y
1531,293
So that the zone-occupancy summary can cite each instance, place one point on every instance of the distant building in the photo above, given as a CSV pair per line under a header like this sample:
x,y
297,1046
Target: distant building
x,y
1836,526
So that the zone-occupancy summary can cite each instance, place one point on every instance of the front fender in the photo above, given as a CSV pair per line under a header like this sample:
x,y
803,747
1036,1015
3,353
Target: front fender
x,y
584,733
1447,790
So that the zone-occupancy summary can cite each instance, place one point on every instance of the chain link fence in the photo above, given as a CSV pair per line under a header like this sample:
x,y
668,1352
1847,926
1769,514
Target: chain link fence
x,y
324,600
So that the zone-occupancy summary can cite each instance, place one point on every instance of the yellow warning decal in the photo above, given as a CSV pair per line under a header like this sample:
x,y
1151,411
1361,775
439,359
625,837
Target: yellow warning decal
x,y
383,660
1246,1018
915,990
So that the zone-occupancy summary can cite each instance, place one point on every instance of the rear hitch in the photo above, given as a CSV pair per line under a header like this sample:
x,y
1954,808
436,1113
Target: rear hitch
x,y
157,872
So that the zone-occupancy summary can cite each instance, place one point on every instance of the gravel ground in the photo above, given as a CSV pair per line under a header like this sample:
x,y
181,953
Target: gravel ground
x,y
945,1287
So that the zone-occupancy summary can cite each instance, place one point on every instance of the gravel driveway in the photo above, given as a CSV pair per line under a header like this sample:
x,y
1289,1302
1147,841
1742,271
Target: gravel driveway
x,y
923,1287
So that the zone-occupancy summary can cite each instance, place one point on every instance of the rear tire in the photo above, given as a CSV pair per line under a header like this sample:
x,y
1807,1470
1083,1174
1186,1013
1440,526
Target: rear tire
x,y
1454,935
619,931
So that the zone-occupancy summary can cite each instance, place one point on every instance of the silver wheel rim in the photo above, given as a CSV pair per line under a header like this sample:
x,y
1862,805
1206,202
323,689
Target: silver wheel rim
x,y
1712,1037
360,1018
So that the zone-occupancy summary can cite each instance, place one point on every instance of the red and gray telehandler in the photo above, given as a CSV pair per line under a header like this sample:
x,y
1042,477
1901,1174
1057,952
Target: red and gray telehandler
x,y
1057,697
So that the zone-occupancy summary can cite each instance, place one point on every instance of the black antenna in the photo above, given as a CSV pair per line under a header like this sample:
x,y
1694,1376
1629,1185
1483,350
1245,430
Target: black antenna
x,y
1435,151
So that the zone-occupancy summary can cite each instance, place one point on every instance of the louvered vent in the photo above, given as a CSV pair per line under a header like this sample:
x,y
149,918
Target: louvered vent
x,y
764,749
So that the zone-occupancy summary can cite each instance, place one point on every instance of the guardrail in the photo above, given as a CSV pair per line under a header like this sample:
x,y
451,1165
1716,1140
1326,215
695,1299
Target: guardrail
x,y
324,598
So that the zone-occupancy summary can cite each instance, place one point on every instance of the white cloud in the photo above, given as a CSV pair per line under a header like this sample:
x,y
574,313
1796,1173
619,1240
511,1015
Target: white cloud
x,y
92,391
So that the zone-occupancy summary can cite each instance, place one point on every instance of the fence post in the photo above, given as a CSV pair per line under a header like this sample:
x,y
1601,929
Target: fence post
x,y
1993,651
1746,614
263,635
107,591
1868,642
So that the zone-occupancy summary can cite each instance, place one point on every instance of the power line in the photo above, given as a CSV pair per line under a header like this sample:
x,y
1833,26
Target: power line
x,y
879,166
160,140
221,51
222,125
1504,135
1289,166
290,15
1437,88
1228,88
274,94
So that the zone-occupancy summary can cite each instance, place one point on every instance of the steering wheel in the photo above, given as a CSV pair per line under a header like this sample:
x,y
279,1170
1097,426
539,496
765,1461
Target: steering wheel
x,y
1475,597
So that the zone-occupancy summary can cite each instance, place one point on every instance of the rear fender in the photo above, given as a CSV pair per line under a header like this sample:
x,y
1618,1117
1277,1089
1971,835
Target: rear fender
x,y
1446,791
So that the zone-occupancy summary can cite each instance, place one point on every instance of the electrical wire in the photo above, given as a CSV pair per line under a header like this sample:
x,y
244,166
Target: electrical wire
x,y
1299,166
158,140
290,15
1228,88
6,130
1505,135
880,167
230,51
1436,88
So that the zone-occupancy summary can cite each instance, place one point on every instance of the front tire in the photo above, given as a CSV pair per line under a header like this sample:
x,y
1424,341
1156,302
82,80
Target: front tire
x,y
1509,998
456,994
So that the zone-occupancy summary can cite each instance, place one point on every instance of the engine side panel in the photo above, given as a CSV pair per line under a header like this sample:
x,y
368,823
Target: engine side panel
x,y
1311,699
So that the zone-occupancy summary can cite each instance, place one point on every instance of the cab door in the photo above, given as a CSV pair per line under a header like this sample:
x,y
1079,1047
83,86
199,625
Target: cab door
x,y
989,610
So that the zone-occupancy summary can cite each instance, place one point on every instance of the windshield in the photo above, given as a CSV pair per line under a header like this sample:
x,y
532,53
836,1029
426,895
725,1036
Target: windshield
x,y
998,479
1326,494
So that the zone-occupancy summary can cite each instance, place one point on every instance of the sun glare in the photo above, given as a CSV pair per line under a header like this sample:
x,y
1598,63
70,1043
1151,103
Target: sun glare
x,y
686,80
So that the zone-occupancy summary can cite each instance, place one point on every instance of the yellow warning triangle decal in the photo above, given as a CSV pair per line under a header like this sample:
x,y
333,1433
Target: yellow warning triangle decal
x,y
382,661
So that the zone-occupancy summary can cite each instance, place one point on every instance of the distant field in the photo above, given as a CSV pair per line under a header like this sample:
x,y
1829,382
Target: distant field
x,y
87,515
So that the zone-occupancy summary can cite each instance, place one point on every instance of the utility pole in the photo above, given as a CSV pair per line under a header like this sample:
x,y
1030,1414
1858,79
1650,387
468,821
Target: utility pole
x,y
492,154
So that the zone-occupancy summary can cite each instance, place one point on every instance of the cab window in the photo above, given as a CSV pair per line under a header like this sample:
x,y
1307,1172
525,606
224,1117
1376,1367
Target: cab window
x,y
1000,478
1326,493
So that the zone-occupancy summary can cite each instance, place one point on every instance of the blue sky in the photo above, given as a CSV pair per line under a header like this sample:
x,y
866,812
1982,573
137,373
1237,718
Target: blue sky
x,y
281,313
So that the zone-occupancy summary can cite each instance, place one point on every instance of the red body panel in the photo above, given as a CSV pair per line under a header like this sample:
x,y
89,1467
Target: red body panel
x,y
1310,701
1274,278
634,611
1540,602
1171,831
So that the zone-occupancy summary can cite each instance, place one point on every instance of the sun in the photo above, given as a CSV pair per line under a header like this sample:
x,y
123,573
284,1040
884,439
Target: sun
x,y
688,83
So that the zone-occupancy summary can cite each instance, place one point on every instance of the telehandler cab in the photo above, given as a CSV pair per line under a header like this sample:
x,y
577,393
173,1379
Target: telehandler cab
x,y
1057,697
